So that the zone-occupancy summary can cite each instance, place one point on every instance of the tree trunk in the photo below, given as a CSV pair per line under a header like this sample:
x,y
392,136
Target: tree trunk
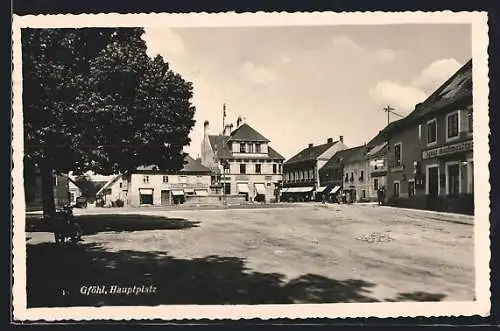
x,y
48,202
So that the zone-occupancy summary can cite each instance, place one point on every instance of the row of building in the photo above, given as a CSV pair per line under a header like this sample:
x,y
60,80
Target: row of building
x,y
424,160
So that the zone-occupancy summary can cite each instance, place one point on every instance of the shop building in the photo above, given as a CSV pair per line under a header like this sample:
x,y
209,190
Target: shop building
x,y
242,162
301,179
356,174
331,175
149,186
430,156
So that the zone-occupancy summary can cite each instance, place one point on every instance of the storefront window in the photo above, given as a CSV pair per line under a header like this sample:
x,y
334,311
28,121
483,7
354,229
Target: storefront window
x,y
453,179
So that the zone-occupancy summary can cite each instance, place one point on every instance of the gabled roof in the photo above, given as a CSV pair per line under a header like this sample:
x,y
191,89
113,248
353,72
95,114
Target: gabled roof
x,y
220,146
358,154
310,153
108,184
190,165
341,156
457,88
246,133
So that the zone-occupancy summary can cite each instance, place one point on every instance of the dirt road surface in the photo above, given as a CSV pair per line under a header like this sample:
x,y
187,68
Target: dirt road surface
x,y
308,253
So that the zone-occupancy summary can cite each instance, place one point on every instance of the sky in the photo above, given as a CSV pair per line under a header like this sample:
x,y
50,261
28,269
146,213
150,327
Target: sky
x,y
301,85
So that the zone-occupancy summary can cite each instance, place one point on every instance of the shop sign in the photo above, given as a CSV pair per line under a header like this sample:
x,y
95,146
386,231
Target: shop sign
x,y
446,150
187,185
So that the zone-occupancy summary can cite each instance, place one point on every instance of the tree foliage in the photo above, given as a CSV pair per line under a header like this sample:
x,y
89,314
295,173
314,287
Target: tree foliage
x,y
93,100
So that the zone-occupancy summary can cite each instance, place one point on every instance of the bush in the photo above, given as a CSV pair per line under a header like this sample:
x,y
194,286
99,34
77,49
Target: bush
x,y
119,203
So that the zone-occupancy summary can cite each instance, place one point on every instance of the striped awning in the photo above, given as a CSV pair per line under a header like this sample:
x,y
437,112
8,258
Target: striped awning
x,y
146,191
242,188
177,192
321,189
335,189
300,189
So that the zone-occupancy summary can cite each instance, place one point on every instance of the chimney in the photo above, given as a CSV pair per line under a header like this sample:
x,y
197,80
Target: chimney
x,y
341,138
329,140
205,128
311,145
227,129
238,121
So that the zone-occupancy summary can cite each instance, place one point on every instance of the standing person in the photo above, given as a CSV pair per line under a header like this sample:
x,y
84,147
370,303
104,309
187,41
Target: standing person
x,y
379,196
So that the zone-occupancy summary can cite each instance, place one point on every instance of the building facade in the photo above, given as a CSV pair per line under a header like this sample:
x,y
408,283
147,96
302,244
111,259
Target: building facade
x,y
33,191
331,175
149,186
301,177
356,175
242,162
431,162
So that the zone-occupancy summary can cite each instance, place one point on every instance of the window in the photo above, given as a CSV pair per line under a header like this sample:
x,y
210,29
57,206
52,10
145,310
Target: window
x,y
257,148
431,132
453,181
71,196
452,125
243,168
121,185
397,155
396,189
352,176
250,148
375,184
165,179
257,168
274,168
311,173
279,168
56,181
411,188
420,131
362,176
363,194
145,179
243,148
346,177
470,127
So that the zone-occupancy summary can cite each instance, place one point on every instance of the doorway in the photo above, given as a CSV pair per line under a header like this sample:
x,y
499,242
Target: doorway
x,y
146,199
433,181
165,197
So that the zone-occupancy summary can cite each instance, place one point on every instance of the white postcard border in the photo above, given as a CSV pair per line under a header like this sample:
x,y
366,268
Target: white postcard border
x,y
340,310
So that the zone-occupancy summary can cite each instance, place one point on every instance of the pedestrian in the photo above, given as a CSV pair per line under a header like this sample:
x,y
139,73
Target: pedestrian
x,y
323,198
379,196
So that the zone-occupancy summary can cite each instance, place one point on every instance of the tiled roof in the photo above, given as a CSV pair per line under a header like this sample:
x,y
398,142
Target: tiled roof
x,y
246,133
377,150
458,87
190,165
310,153
358,154
341,156
220,146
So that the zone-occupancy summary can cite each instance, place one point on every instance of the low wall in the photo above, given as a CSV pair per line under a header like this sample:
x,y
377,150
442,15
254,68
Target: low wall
x,y
214,199
462,204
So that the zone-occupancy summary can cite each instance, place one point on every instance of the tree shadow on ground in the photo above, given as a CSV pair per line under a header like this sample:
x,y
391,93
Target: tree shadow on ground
x,y
417,296
92,224
55,275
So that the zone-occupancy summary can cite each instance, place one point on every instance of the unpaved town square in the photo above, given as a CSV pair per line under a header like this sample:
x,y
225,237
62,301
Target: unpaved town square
x,y
294,253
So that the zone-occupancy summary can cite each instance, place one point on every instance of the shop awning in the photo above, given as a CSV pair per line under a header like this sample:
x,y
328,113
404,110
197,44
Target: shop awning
x,y
321,189
188,190
260,188
284,190
335,189
201,192
242,188
299,189
177,192
146,191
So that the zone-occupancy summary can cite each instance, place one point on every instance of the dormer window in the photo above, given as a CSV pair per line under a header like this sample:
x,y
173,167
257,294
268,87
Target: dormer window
x,y
243,148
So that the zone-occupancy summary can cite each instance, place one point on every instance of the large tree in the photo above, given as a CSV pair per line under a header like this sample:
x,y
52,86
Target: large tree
x,y
93,100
